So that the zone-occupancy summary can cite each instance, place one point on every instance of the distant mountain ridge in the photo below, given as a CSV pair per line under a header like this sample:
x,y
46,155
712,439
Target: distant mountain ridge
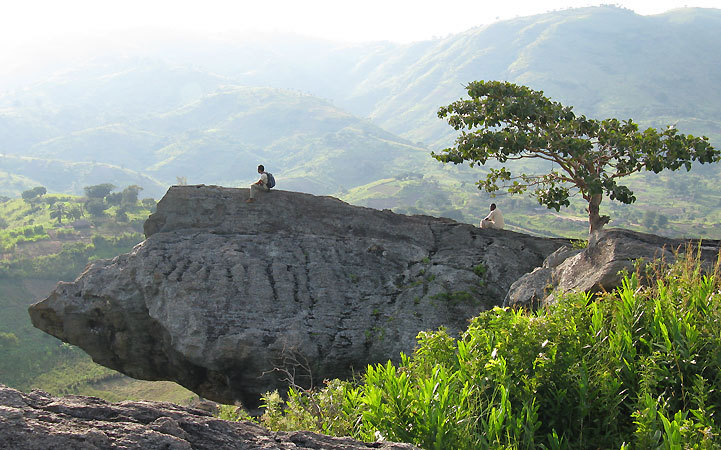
x,y
220,137
605,61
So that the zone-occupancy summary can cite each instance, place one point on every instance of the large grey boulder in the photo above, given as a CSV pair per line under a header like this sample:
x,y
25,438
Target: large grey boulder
x,y
232,299
599,267
38,421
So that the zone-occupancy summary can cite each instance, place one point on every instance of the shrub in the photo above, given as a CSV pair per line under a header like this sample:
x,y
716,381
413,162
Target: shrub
x,y
8,339
121,216
233,413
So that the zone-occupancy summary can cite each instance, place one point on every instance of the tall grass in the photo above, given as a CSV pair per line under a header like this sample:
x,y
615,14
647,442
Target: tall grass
x,y
635,368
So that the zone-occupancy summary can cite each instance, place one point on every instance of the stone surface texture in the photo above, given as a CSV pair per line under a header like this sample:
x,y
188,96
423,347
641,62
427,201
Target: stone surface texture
x,y
597,268
38,421
223,293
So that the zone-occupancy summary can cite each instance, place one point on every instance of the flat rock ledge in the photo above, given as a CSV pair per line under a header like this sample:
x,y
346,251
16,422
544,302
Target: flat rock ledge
x,y
38,421
232,299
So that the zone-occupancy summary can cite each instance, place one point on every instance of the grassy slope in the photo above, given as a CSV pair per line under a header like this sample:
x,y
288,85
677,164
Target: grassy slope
x,y
30,358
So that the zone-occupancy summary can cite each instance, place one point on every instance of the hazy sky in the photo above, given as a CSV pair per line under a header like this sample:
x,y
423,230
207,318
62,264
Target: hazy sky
x,y
397,20
34,32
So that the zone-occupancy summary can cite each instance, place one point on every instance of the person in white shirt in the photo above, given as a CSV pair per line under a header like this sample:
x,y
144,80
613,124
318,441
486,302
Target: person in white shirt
x,y
494,219
259,186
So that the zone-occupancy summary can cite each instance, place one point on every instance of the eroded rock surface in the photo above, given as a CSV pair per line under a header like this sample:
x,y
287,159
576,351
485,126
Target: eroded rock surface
x,y
38,421
223,292
598,267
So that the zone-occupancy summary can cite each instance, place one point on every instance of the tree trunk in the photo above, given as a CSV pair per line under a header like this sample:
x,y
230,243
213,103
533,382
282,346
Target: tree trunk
x,y
596,220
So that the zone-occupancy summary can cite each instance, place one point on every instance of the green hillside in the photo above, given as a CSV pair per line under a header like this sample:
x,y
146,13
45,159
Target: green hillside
x,y
20,173
35,253
219,139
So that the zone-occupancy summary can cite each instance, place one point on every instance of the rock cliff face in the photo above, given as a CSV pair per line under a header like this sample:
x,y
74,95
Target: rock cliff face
x,y
222,293
38,421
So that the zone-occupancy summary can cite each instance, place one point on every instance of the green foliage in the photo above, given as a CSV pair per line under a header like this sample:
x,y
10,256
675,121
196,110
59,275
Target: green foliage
x,y
98,191
30,233
509,122
59,211
480,270
121,215
130,195
71,260
638,366
33,193
96,206
331,410
8,339
114,199
579,243
30,358
64,265
233,413
78,370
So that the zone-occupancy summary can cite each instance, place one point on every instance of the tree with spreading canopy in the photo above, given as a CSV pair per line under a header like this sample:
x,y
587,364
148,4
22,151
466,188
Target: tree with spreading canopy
x,y
506,122
99,190
130,195
31,194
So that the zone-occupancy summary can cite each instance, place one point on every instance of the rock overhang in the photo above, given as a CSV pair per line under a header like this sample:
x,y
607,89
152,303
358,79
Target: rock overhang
x,y
224,296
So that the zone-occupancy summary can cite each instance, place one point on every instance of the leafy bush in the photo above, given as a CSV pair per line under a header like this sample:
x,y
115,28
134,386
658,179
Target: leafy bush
x,y
8,339
233,413
96,207
638,366
579,243
331,410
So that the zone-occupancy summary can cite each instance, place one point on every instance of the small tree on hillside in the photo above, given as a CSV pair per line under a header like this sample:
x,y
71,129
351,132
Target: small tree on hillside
x,y
76,212
59,211
99,190
32,194
508,122
130,195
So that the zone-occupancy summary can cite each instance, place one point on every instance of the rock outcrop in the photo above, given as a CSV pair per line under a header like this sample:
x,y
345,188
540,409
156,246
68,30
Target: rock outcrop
x,y
597,268
223,293
38,421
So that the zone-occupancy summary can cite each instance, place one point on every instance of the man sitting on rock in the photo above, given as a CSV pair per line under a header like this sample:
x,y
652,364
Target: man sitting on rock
x,y
259,186
494,219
